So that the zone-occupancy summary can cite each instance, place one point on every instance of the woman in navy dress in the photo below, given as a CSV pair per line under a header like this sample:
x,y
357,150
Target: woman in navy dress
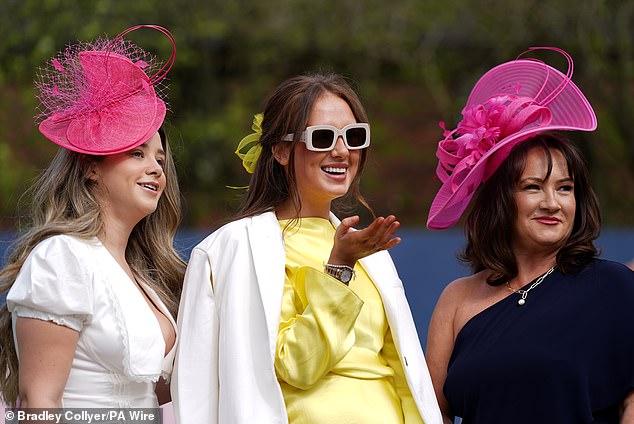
x,y
543,331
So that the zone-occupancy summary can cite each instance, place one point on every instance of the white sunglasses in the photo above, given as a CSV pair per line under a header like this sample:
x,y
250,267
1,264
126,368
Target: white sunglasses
x,y
323,138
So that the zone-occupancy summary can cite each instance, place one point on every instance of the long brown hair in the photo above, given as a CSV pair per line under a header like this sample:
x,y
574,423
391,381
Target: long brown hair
x,y
287,111
488,227
62,201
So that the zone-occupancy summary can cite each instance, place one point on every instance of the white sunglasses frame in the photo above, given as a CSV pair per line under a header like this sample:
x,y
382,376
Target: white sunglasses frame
x,y
308,132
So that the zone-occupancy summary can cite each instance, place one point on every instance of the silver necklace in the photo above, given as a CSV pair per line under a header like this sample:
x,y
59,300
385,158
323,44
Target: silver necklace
x,y
523,292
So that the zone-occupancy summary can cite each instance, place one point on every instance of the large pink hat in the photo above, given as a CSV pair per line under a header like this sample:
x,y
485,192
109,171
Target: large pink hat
x,y
100,98
509,104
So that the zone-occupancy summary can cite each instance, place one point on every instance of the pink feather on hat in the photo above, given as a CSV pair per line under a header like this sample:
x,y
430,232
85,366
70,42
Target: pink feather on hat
x,y
509,104
99,98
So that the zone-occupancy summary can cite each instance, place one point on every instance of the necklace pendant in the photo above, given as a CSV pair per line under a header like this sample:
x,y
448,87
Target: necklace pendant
x,y
521,302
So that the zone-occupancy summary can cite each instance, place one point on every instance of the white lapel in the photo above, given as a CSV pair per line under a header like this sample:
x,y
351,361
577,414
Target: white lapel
x,y
269,258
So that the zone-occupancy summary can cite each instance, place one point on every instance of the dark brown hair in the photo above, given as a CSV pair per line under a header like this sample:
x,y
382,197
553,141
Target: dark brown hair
x,y
493,212
287,111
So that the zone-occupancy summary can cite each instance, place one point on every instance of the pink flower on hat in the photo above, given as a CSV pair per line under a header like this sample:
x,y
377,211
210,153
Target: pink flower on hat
x,y
482,126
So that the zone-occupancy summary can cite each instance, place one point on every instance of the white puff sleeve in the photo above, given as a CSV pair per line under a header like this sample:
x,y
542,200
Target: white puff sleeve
x,y
55,283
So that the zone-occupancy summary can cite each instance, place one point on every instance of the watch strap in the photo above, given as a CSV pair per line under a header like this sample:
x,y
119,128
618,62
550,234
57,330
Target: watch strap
x,y
343,273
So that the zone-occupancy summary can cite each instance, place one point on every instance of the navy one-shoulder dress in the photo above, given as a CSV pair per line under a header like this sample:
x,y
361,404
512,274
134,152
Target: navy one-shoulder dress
x,y
566,356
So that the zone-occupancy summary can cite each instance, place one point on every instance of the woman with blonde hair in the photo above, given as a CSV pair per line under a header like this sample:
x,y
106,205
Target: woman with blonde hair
x,y
93,285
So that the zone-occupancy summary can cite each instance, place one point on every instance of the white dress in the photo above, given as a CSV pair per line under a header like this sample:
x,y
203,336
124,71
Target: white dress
x,y
120,351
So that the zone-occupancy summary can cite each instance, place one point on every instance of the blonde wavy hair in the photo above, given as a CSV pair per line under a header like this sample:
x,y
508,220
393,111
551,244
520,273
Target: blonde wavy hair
x,y
63,202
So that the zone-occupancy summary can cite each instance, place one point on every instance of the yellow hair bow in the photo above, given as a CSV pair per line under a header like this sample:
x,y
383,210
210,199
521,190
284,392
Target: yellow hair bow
x,y
249,148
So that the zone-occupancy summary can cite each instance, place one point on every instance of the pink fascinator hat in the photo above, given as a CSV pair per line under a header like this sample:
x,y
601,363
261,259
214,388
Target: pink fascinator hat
x,y
509,104
102,97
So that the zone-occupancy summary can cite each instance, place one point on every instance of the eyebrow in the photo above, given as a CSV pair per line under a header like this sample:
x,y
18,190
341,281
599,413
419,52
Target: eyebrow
x,y
541,180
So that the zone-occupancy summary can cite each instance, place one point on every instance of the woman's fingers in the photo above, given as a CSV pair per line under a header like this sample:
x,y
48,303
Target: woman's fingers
x,y
383,232
379,235
347,223
352,245
390,244
388,235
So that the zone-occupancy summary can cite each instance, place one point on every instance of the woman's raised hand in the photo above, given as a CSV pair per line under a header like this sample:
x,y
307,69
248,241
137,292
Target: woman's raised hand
x,y
351,245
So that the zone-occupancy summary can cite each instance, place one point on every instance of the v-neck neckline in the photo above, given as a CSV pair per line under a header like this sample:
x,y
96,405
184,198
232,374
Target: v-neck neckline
x,y
143,290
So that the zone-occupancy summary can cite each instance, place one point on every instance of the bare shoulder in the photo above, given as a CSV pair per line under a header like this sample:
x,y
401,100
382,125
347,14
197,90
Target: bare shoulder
x,y
460,290
452,296
475,295
460,301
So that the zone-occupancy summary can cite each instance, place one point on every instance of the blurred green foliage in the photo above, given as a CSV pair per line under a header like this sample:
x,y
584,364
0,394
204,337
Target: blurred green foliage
x,y
413,62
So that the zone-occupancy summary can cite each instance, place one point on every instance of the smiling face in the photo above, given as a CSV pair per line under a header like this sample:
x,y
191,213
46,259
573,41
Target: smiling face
x,y
322,177
546,204
130,184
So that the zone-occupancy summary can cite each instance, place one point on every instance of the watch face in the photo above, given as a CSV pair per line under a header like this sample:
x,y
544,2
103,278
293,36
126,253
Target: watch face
x,y
346,275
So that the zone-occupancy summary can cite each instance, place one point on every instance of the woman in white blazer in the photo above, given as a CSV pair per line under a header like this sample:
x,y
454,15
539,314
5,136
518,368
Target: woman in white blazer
x,y
287,314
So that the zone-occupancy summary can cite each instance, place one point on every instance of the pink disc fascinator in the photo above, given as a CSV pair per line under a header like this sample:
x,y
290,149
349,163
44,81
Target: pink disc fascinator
x,y
509,104
103,97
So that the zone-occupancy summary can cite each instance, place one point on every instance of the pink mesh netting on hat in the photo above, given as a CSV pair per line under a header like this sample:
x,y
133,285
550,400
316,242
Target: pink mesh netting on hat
x,y
103,97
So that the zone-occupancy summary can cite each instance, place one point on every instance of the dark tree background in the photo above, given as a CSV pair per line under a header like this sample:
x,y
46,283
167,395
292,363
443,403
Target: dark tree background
x,y
413,61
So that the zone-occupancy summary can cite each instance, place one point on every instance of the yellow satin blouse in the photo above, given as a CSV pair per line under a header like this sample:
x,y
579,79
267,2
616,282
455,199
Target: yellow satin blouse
x,y
335,358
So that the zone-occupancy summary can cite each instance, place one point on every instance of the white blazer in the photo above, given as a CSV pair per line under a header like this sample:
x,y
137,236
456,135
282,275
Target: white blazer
x,y
228,324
